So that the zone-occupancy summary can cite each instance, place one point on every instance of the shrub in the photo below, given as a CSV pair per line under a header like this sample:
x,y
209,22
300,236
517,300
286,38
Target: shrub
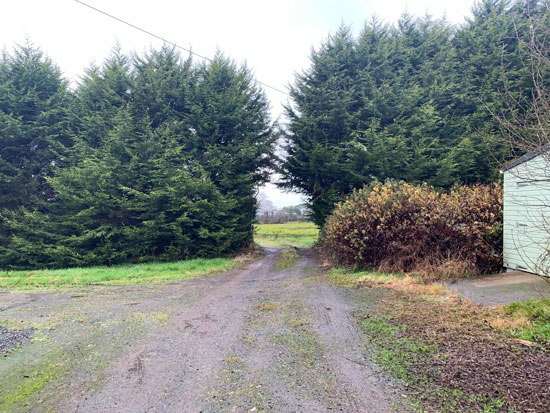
x,y
400,227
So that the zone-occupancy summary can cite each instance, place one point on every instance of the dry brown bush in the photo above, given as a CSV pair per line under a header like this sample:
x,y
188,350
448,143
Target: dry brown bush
x,y
397,227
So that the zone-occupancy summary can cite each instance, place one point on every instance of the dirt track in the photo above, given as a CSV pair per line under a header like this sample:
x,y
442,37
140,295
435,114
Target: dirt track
x,y
255,339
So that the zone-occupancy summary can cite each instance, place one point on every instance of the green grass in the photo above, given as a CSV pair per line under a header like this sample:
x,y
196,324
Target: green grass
x,y
350,278
395,351
124,274
297,234
538,313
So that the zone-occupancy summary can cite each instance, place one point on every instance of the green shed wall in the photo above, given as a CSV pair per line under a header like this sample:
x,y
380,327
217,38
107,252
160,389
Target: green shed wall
x,y
527,216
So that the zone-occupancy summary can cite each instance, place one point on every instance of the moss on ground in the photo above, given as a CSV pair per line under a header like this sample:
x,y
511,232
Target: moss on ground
x,y
24,382
68,348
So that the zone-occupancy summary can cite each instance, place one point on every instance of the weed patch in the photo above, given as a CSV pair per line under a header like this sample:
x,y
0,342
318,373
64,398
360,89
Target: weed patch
x,y
347,278
407,283
530,320
306,347
396,352
268,306
452,355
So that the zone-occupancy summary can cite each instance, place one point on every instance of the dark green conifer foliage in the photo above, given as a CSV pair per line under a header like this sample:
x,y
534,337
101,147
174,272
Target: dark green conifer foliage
x,y
231,138
165,162
101,93
411,102
321,125
163,86
34,127
35,138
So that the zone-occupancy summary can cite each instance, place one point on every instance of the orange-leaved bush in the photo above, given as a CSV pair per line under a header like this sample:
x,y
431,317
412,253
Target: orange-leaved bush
x,y
400,227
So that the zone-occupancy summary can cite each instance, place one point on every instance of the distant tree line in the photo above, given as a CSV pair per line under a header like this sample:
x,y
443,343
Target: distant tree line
x,y
149,157
415,101
268,213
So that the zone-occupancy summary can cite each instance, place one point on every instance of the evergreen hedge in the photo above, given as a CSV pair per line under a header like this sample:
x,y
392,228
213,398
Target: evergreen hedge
x,y
409,101
150,158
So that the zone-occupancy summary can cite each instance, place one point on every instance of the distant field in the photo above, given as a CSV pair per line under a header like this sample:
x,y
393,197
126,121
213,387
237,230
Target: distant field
x,y
298,234
124,274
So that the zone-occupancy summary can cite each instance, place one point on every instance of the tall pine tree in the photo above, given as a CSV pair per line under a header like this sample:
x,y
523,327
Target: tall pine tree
x,y
232,138
34,127
411,102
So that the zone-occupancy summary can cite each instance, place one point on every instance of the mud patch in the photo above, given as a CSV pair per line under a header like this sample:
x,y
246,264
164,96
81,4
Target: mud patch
x,y
10,339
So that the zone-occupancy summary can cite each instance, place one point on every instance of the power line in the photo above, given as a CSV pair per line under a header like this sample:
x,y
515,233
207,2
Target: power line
x,y
166,40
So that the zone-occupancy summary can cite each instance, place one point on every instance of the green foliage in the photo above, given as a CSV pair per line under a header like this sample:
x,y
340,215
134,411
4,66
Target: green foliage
x,y
403,228
34,138
34,127
126,274
233,139
164,161
410,102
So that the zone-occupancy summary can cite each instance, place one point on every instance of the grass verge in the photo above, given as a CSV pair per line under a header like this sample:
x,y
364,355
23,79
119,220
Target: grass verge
x,y
297,234
347,278
124,274
530,320
448,353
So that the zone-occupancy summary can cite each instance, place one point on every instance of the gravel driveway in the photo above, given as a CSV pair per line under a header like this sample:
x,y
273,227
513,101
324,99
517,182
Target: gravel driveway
x,y
255,339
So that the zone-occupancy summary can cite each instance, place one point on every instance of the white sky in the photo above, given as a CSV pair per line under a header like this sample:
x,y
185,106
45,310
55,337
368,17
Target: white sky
x,y
273,37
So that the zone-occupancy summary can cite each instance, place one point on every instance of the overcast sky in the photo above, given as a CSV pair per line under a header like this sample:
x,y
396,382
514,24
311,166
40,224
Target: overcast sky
x,y
273,37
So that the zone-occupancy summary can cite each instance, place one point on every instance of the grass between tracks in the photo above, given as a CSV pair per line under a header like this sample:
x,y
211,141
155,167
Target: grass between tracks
x,y
287,257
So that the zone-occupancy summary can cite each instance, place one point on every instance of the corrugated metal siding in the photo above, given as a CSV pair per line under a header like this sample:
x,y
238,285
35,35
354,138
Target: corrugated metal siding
x,y
527,215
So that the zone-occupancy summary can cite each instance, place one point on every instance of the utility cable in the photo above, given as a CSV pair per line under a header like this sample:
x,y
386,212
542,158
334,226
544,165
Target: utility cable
x,y
166,40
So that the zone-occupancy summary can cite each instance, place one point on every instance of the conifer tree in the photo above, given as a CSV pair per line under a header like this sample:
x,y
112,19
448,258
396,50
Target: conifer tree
x,y
165,160
34,127
411,101
232,138
35,138
321,125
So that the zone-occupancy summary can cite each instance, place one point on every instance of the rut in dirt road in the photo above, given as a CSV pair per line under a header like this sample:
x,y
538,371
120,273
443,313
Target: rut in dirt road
x,y
257,339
